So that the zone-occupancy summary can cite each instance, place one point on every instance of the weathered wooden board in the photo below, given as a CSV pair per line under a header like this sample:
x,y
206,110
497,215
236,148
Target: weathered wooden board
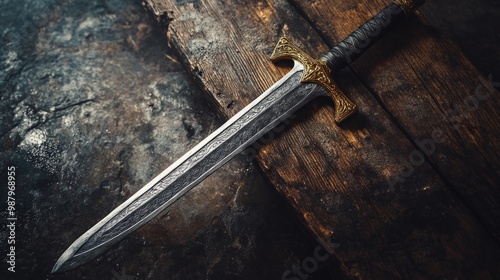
x,y
340,179
435,91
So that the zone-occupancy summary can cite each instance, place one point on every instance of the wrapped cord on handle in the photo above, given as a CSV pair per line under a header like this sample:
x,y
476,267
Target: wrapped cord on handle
x,y
367,34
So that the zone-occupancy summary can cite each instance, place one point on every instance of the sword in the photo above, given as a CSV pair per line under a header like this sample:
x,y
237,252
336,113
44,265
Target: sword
x,y
309,78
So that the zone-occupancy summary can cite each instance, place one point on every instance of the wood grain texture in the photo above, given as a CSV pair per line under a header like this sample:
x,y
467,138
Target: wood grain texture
x,y
429,88
339,179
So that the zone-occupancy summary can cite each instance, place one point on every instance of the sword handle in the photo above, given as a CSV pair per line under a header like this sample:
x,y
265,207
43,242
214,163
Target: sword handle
x,y
370,32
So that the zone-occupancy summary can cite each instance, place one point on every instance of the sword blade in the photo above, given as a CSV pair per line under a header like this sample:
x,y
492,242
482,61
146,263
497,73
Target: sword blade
x,y
268,110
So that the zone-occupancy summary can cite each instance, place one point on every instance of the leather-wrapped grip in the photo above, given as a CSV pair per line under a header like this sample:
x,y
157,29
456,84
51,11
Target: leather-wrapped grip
x,y
367,34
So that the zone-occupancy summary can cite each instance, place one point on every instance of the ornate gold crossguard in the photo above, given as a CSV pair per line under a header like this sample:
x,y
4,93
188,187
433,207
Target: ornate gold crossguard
x,y
319,70
315,71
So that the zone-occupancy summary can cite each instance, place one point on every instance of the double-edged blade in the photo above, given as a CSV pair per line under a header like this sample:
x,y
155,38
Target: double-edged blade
x,y
256,119
307,80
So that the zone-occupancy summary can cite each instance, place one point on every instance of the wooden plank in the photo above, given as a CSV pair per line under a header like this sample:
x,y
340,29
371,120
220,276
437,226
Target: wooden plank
x,y
335,177
429,88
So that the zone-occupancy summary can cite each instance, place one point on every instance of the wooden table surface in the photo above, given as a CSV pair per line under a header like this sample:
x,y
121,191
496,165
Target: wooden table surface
x,y
406,188
94,103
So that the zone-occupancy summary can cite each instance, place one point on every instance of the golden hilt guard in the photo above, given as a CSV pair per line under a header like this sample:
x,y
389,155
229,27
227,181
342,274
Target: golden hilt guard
x,y
315,71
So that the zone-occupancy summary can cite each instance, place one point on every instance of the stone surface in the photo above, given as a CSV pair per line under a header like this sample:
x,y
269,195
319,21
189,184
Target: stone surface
x,y
94,104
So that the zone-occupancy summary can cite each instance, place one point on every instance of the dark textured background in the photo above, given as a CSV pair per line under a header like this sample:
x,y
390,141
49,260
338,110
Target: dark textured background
x,y
474,25
94,104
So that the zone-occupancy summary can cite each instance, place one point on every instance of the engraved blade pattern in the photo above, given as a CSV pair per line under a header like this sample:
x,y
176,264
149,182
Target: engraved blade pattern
x,y
273,106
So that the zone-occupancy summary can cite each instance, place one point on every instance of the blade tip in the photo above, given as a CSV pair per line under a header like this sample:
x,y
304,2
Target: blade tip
x,y
66,261
58,267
